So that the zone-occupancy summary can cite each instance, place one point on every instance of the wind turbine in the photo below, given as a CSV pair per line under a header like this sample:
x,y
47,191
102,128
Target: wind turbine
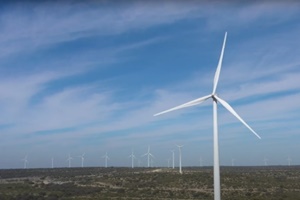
x,y
289,161
173,158
82,159
106,158
25,162
232,162
168,160
52,162
266,161
179,148
132,156
69,160
201,162
216,100
148,154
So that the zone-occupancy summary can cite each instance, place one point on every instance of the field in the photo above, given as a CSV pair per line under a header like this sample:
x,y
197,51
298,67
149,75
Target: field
x,y
237,183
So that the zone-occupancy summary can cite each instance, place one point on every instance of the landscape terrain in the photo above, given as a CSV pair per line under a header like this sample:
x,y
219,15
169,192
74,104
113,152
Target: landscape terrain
x,y
237,183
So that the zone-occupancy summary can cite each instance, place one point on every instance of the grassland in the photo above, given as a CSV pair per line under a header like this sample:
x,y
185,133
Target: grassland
x,y
237,183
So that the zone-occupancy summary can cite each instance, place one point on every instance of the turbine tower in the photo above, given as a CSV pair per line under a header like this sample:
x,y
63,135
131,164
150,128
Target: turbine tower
x,y
266,161
232,162
69,160
25,161
216,100
201,162
132,156
52,162
82,159
173,159
168,160
148,154
289,160
106,158
179,148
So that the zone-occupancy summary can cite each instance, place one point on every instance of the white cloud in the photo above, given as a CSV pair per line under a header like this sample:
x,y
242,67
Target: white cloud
x,y
236,15
32,26
16,92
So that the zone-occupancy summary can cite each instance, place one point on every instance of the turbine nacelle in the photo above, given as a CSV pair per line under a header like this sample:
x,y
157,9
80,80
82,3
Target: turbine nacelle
x,y
213,96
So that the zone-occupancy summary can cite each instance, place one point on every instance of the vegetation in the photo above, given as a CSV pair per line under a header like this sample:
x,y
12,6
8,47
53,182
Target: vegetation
x,y
237,183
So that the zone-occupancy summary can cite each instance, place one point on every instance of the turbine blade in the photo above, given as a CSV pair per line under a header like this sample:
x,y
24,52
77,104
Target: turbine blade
x,y
152,155
144,154
217,74
232,111
188,104
179,145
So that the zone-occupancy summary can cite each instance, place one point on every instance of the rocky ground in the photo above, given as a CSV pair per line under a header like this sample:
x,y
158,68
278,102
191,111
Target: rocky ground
x,y
237,183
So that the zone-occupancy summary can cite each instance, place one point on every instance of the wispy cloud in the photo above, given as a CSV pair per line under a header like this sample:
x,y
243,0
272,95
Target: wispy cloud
x,y
33,26
236,15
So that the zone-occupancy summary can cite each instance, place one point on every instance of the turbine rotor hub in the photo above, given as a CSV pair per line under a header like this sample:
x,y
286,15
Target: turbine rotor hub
x,y
213,96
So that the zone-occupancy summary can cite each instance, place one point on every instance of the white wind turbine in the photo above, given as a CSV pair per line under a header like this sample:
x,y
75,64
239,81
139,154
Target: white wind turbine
x,y
82,159
106,158
179,148
216,100
173,159
201,162
69,160
132,156
232,162
148,154
289,160
168,160
266,161
25,161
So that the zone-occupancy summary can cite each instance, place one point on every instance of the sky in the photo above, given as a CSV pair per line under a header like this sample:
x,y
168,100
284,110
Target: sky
x,y
87,77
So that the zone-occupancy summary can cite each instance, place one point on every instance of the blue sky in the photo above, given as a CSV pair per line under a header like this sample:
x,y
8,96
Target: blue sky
x,y
88,77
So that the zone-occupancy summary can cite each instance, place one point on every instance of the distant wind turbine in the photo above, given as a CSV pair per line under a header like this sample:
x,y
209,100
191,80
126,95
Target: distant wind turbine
x,y
179,148
232,162
173,159
289,160
52,162
69,160
265,161
148,154
106,158
201,162
132,156
168,160
25,161
82,159
216,100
